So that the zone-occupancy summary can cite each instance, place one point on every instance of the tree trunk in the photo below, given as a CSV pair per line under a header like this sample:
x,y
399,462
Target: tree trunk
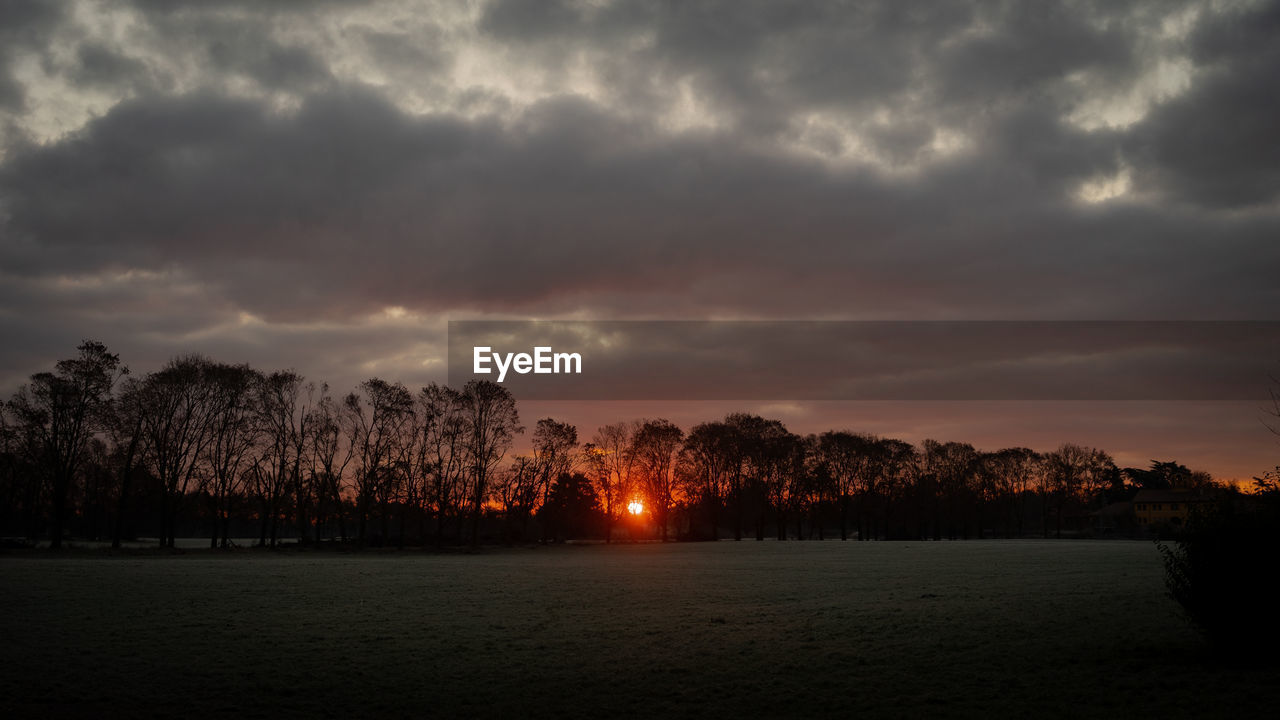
x,y
262,528
737,522
61,486
164,514
125,475
400,529
217,522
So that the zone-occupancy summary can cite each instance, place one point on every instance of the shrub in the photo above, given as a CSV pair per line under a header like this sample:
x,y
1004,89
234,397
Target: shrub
x,y
1221,569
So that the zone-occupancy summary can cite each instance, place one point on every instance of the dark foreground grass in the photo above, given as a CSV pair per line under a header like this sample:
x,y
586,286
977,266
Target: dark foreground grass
x,y
1064,629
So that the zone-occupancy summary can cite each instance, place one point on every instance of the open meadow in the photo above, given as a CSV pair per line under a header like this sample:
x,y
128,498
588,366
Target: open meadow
x,y
815,629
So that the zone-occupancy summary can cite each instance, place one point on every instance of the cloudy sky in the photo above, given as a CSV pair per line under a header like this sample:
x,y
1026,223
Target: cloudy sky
x,y
323,185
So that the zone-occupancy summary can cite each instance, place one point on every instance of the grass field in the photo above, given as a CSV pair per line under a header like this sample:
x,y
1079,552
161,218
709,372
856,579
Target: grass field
x,y
709,630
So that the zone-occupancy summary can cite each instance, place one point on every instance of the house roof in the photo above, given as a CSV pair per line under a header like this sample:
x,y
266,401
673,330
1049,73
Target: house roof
x,y
1168,496
1115,508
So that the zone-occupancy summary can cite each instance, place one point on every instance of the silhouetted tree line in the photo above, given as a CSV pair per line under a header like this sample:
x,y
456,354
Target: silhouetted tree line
x,y
200,447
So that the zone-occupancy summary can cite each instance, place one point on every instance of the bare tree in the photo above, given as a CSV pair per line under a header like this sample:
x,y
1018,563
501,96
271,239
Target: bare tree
x,y
928,489
593,462
553,456
944,489
613,460
656,444
820,485
62,411
126,433
25,471
705,466
776,459
328,461
491,424
1011,474
516,490
177,417
741,431
442,446
1074,475
897,462
283,401
373,421
232,434
844,454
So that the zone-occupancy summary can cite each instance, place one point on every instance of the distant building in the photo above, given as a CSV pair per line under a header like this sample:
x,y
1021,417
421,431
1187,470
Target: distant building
x,y
1167,507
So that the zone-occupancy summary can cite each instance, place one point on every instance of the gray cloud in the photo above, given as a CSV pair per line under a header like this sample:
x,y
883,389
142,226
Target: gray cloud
x,y
99,65
1216,146
362,206
23,26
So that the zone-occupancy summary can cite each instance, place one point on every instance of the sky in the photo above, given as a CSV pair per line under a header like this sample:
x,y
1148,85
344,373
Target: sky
x,y
324,185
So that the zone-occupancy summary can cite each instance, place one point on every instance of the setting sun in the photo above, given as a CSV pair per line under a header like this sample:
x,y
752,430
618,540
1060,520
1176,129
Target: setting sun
x,y
635,508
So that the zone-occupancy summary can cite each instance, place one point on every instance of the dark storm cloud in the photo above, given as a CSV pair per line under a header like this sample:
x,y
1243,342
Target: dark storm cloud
x,y
403,52
765,62
1031,45
266,178
275,67
24,24
1219,145
359,206
99,65
252,8
758,62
